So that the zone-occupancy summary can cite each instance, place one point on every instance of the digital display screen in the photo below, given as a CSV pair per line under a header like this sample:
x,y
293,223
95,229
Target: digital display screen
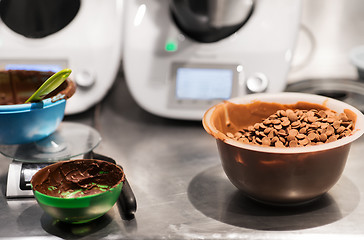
x,y
204,83
34,67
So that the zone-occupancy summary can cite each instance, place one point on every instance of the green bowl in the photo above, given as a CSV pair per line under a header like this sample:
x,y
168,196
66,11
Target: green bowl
x,y
77,209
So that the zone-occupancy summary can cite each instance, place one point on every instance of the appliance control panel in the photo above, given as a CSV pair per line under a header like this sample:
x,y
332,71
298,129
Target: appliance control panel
x,y
202,85
175,75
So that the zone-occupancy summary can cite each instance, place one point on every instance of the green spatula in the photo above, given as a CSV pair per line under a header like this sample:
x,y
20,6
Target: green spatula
x,y
51,84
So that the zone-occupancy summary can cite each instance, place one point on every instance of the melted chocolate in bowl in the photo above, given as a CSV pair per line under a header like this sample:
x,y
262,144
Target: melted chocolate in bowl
x,y
16,86
77,178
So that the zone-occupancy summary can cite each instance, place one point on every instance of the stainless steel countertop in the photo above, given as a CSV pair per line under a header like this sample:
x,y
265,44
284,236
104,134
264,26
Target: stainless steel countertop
x,y
174,169
182,193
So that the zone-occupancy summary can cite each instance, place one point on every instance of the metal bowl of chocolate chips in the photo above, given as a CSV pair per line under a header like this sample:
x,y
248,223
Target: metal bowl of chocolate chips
x,y
284,148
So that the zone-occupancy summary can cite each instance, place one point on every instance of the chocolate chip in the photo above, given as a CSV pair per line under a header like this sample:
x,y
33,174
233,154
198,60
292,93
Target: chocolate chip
x,y
266,141
291,115
296,128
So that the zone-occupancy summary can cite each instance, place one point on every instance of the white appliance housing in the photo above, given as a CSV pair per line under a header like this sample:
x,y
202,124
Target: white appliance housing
x,y
90,45
257,56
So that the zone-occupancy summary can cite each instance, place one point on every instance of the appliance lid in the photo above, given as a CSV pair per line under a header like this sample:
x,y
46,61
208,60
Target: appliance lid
x,y
210,20
38,18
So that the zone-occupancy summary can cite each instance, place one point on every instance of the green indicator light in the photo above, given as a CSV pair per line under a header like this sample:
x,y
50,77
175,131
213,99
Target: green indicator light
x,y
171,46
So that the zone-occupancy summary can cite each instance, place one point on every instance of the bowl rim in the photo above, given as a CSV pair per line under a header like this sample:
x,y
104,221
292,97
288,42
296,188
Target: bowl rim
x,y
27,107
59,98
122,180
291,97
78,198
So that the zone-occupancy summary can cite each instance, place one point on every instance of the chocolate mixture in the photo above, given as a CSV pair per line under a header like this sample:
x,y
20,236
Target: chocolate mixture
x,y
296,128
77,178
16,86
231,118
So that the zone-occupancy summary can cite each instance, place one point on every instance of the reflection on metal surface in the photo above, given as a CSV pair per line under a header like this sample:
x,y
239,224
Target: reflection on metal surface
x,y
217,198
71,231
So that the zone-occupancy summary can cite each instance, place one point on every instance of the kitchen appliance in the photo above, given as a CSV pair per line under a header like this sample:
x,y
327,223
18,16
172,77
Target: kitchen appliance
x,y
329,56
181,57
85,36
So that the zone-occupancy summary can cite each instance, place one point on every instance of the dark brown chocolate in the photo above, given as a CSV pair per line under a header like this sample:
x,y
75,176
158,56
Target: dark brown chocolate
x,y
16,86
77,178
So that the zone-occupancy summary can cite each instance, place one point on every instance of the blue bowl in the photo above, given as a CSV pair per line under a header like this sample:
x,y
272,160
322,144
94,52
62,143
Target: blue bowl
x,y
24,123
29,122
